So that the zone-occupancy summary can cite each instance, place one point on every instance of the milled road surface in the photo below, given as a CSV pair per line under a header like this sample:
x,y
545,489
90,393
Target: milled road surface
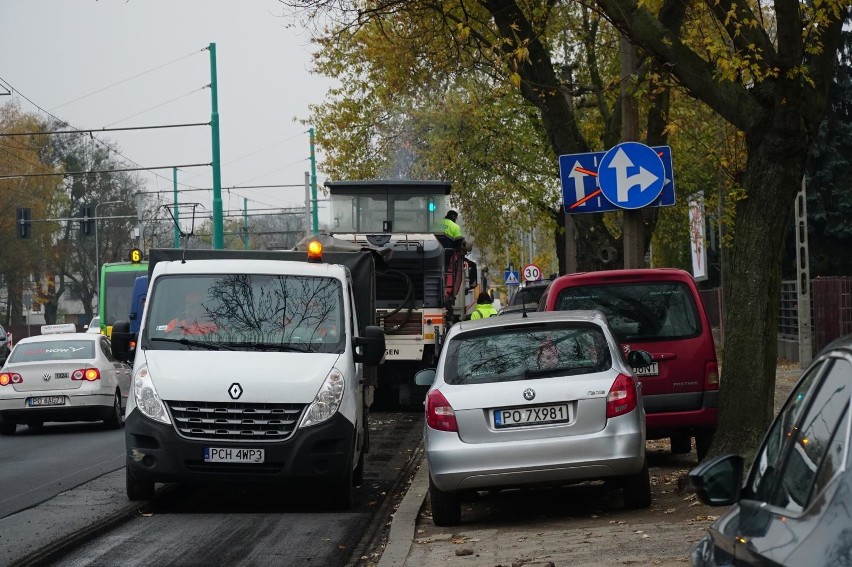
x,y
189,526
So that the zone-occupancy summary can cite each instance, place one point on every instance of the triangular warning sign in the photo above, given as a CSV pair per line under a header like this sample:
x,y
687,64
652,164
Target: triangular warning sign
x,y
511,278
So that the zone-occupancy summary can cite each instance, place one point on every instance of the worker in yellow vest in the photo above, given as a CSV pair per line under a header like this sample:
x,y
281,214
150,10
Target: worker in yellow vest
x,y
484,307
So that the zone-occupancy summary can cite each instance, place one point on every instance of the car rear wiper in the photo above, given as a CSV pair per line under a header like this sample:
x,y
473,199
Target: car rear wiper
x,y
190,342
560,371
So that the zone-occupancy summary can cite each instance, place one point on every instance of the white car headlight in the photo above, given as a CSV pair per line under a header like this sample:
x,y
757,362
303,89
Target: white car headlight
x,y
327,401
147,399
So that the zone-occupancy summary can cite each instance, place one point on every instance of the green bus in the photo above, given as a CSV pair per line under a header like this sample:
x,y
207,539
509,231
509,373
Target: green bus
x,y
116,291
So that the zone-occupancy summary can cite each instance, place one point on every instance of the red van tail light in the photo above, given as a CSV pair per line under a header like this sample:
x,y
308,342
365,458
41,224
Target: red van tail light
x,y
88,374
439,413
622,396
7,378
711,376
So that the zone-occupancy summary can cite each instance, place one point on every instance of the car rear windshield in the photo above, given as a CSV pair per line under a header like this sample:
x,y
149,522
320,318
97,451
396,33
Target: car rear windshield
x,y
639,311
524,352
528,295
53,350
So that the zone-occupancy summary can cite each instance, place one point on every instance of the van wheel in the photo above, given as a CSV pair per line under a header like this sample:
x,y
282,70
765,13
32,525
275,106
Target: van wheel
x,y
114,421
343,492
703,439
681,443
358,473
7,427
446,506
137,489
637,489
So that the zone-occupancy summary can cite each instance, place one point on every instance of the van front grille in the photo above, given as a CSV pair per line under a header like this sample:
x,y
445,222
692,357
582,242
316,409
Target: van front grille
x,y
235,421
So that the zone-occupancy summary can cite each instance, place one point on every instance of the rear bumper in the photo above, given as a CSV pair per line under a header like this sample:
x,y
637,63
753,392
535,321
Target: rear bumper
x,y
663,420
78,407
318,454
617,450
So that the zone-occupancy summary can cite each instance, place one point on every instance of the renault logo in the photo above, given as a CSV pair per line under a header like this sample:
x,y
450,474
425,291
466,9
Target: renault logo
x,y
235,391
46,376
529,394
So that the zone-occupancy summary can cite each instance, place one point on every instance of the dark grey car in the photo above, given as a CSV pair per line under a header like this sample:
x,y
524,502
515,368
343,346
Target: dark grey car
x,y
795,507
4,346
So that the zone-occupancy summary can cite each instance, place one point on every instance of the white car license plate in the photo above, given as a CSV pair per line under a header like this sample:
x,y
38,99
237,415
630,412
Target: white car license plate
x,y
652,370
47,401
535,415
232,455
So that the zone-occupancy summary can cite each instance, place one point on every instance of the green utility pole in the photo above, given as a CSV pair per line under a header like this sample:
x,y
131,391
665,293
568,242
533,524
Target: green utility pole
x,y
245,224
314,185
176,213
218,238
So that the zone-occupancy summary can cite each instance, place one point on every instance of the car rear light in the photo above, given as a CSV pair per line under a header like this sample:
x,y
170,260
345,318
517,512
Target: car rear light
x,y
88,374
711,376
622,396
7,378
439,413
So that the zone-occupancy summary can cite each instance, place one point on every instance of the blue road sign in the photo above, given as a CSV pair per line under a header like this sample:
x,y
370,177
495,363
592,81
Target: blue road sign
x,y
581,192
631,175
511,278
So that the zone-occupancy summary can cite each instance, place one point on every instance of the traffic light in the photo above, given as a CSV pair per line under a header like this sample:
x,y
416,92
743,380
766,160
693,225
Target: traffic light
x,y
87,221
24,223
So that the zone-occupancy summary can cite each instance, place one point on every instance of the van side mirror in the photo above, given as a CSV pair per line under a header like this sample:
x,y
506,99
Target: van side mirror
x,y
372,345
121,340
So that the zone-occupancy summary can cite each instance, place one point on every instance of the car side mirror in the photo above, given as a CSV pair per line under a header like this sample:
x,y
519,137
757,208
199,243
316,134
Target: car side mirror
x,y
121,340
425,377
639,359
372,345
718,482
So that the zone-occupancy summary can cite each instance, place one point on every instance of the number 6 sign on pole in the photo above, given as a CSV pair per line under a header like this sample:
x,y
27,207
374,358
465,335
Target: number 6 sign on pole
x,y
532,273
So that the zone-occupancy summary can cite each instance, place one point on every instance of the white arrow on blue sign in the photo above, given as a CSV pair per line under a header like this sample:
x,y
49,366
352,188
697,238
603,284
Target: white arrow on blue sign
x,y
631,175
582,193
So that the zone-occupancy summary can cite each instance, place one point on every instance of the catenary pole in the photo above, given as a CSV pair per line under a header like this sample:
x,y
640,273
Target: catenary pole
x,y
314,186
218,239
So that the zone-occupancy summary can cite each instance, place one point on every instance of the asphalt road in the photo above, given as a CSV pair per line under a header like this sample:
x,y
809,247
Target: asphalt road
x,y
38,464
188,526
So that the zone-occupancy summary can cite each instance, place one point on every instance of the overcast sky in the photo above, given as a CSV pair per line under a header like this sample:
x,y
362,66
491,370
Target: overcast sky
x,y
124,63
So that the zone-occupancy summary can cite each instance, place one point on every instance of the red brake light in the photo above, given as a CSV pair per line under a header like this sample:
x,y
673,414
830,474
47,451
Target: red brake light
x,y
622,397
89,374
711,376
439,413
7,378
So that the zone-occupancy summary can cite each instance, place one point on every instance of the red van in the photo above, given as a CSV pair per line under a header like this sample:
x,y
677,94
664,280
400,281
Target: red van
x,y
660,311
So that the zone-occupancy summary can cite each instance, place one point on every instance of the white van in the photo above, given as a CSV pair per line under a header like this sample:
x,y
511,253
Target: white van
x,y
251,370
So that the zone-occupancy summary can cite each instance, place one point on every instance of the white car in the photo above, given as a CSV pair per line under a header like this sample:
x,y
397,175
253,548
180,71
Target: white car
x,y
94,326
525,401
62,375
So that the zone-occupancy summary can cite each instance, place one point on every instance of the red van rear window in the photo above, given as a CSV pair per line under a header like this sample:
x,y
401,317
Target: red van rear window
x,y
638,311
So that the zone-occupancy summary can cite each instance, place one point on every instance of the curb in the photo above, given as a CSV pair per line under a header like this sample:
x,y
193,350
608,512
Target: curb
x,y
405,520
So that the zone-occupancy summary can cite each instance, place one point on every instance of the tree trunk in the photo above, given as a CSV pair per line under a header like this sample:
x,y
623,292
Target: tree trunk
x,y
773,177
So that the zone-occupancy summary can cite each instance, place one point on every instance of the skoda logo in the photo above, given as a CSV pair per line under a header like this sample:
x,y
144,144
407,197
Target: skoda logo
x,y
46,376
529,394
235,391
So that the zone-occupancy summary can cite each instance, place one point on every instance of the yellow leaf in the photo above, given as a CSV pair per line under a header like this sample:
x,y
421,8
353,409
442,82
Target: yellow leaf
x,y
515,79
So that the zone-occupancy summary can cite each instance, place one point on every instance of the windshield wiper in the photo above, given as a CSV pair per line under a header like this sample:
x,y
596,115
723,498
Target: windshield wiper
x,y
190,342
274,347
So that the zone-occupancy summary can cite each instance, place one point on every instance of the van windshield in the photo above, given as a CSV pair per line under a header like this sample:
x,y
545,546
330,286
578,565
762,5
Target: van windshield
x,y
638,311
245,311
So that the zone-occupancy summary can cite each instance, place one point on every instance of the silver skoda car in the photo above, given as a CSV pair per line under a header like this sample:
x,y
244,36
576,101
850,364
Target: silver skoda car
x,y
543,399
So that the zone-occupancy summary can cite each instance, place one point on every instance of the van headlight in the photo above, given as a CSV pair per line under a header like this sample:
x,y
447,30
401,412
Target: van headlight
x,y
327,401
147,399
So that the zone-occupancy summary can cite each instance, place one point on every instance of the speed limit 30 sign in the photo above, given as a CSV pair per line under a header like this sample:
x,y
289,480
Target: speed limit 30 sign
x,y
532,273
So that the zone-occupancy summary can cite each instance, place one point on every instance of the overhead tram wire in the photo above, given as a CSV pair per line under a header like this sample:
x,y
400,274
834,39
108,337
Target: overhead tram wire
x,y
105,129
107,146
64,173
136,76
